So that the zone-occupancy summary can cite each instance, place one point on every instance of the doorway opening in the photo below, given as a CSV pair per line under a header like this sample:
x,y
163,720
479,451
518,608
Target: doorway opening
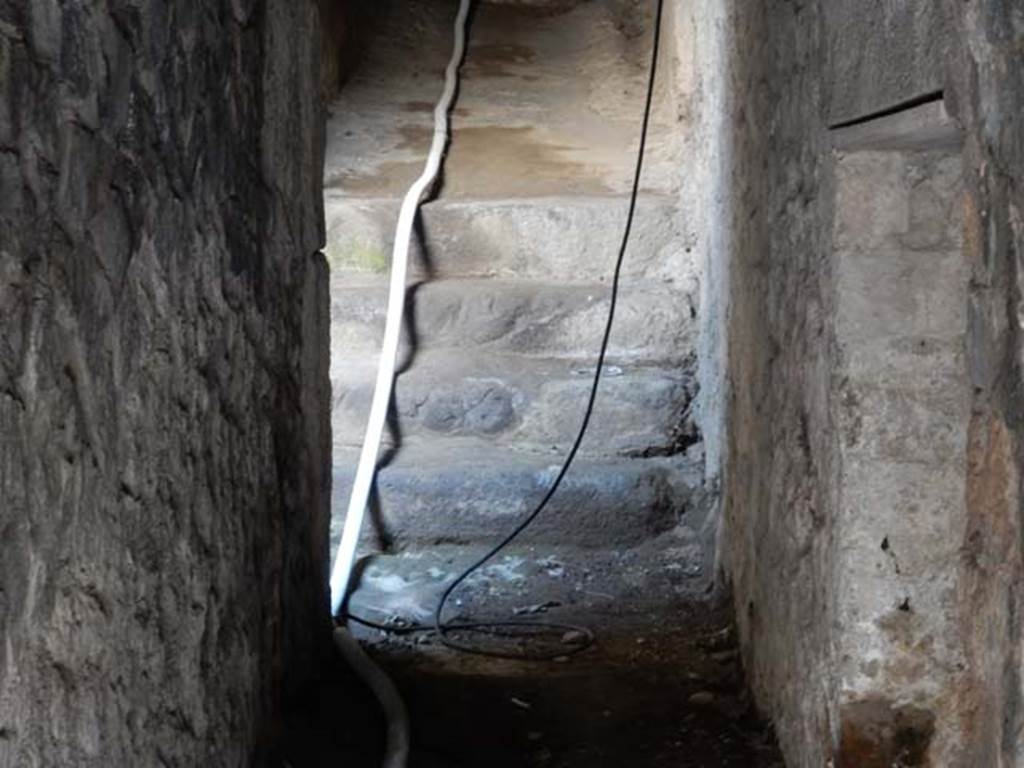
x,y
509,292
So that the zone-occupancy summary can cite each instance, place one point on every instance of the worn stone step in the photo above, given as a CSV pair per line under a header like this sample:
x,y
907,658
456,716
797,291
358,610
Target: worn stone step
x,y
572,239
654,322
558,578
472,491
537,402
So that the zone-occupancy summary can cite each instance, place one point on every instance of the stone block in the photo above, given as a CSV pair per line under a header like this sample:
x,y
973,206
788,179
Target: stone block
x,y
531,402
902,425
564,239
468,491
900,293
653,322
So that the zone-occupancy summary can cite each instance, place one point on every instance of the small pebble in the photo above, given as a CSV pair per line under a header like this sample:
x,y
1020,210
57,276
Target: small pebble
x,y
702,699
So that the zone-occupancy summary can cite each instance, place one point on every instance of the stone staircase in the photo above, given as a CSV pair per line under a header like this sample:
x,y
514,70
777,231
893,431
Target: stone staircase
x,y
509,292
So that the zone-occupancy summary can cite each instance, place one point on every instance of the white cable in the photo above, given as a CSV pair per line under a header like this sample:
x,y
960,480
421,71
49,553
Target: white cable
x,y
345,558
397,745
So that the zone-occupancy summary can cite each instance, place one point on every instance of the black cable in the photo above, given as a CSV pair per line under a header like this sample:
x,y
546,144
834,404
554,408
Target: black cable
x,y
440,626
571,638
492,628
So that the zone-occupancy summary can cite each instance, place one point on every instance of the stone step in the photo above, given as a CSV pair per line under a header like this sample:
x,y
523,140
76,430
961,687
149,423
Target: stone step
x,y
470,491
556,578
509,399
571,239
654,322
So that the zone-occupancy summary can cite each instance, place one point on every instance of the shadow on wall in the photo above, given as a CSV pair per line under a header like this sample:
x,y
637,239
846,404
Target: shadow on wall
x,y
346,27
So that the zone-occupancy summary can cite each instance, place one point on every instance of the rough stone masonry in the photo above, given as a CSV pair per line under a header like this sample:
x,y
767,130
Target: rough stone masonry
x,y
164,429
164,395
872,534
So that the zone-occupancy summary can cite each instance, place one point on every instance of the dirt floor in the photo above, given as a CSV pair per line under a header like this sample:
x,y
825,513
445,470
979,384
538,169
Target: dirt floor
x,y
649,693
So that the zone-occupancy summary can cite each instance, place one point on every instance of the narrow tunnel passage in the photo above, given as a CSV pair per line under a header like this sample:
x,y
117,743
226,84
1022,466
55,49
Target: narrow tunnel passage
x,y
510,291
807,453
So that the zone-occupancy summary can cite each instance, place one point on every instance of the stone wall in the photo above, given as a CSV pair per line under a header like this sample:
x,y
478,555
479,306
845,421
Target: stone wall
x,y
694,38
882,54
846,680
900,399
986,91
164,438
347,26
779,481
